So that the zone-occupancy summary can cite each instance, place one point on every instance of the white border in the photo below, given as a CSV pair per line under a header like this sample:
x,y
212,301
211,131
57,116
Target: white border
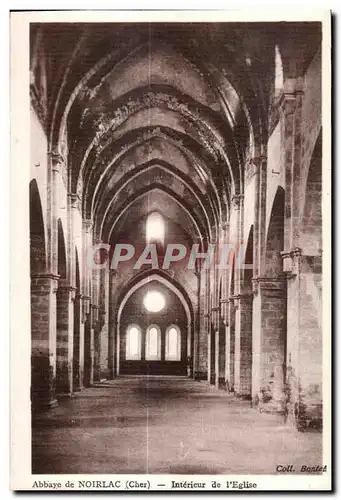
x,y
20,358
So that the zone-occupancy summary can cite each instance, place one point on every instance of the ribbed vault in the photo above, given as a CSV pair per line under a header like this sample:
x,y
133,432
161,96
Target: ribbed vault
x,y
173,110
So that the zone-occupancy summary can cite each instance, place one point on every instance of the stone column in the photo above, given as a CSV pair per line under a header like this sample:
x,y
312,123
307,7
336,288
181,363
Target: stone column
x,y
304,333
77,343
230,346
85,310
104,324
201,363
196,326
96,342
243,345
112,327
73,207
270,294
208,323
259,248
238,207
304,341
89,348
43,335
291,142
65,299
43,300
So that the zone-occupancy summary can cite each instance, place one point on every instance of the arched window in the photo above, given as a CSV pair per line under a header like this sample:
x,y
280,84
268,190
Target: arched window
x,y
173,343
153,343
133,342
278,71
155,228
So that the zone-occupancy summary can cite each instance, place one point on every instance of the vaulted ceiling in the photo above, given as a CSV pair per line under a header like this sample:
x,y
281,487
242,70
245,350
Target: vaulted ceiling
x,y
153,116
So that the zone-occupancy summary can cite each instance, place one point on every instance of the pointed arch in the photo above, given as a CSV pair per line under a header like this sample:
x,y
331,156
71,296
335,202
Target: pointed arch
x,y
37,231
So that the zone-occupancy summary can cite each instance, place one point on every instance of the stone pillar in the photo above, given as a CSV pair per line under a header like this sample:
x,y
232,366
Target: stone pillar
x,y
201,363
304,329
215,332
89,349
65,303
230,346
96,342
304,342
104,324
270,296
221,355
208,323
73,207
77,326
259,248
243,345
291,142
118,347
239,315
224,340
111,327
85,310
86,299
43,300
43,344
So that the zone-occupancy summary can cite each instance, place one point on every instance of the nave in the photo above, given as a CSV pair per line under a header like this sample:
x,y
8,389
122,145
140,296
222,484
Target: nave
x,y
165,425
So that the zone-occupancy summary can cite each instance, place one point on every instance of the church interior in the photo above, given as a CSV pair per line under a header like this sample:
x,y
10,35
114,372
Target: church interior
x,y
178,136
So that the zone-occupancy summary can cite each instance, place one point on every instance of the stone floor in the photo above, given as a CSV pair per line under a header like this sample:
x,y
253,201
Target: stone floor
x,y
165,425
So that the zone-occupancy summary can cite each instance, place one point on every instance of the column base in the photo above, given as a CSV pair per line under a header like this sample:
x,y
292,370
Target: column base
x,y
42,405
65,395
245,397
200,376
309,418
222,383
274,407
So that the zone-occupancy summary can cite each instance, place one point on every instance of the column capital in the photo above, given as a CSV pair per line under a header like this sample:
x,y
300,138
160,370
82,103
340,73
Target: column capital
x,y
242,296
290,260
87,224
74,199
224,225
257,161
287,100
44,283
237,200
65,288
85,297
296,252
85,306
57,159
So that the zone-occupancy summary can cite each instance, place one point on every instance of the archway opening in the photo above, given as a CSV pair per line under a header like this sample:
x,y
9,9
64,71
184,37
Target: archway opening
x,y
153,340
274,311
37,233
40,368
77,372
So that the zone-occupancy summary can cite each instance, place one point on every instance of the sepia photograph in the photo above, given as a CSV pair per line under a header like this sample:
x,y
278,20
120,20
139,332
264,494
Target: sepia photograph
x,y
177,287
